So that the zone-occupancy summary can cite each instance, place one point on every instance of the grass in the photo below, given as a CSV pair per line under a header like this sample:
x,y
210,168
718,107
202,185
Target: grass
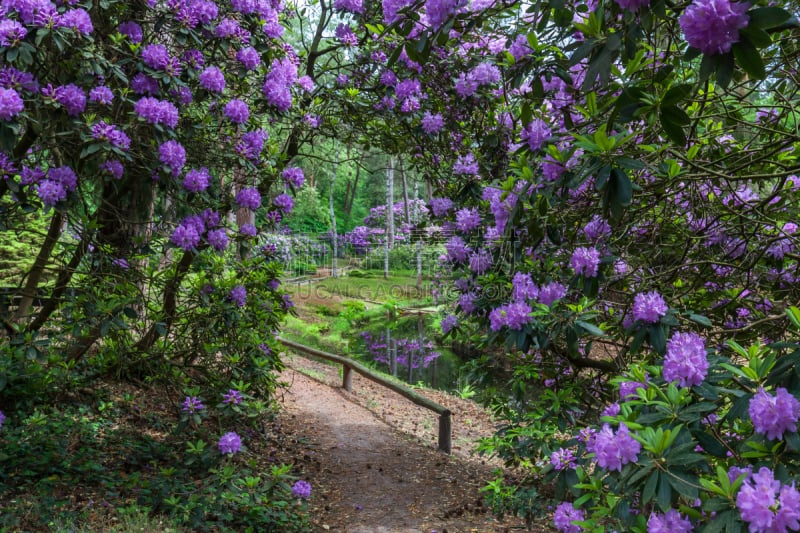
x,y
401,289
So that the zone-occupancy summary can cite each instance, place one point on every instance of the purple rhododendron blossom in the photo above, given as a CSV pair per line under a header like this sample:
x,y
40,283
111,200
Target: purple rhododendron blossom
x,y
774,415
670,522
237,111
613,450
197,180
212,79
249,198
467,219
563,459
230,443
565,514
11,104
536,134
432,123
293,176
551,292
302,489
238,295
172,154
284,203
585,261
649,307
101,95
218,239
712,26
686,360
767,505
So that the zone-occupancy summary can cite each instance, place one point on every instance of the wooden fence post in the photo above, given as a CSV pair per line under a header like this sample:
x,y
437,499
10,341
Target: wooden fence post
x,y
445,431
347,378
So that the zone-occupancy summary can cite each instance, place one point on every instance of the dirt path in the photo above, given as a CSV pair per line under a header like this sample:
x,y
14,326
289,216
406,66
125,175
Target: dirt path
x,y
373,463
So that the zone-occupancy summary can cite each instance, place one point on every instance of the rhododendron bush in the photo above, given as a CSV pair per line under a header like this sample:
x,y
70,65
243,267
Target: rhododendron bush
x,y
617,181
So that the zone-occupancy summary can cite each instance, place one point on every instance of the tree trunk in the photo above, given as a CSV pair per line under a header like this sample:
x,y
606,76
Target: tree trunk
x,y
349,207
334,235
419,238
39,265
405,192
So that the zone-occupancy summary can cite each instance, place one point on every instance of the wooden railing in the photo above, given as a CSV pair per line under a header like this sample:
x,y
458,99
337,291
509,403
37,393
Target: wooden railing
x,y
349,365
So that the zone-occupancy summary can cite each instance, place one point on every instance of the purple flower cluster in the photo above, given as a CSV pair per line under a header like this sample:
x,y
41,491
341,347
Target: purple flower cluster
x,y
513,315
432,123
686,360
551,292
11,32
157,111
284,203
293,176
233,396
438,11
238,295
249,198
252,144
302,489
774,415
613,450
101,95
72,97
278,82
441,206
466,165
670,522
249,58
457,250
230,443
114,167
197,180
767,505
172,154
565,515
131,30
629,389
156,56
2,419
520,48
187,234
59,182
11,104
346,35
192,404
597,229
585,261
536,134
237,111
77,20
109,132
212,79
351,6
712,26
480,262
218,239
649,307
448,323
563,459
467,219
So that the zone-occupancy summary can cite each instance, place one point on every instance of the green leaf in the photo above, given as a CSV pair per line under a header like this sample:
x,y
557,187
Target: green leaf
x,y
674,131
700,319
767,17
749,59
758,37
664,495
590,328
676,94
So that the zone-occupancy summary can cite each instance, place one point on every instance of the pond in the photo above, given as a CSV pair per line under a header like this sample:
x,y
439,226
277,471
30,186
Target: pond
x,y
405,347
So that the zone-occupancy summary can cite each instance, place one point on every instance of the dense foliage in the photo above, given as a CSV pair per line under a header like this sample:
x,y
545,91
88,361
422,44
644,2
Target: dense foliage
x,y
618,181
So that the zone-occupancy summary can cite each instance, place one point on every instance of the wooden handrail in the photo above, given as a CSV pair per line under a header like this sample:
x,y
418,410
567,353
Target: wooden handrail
x,y
348,365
